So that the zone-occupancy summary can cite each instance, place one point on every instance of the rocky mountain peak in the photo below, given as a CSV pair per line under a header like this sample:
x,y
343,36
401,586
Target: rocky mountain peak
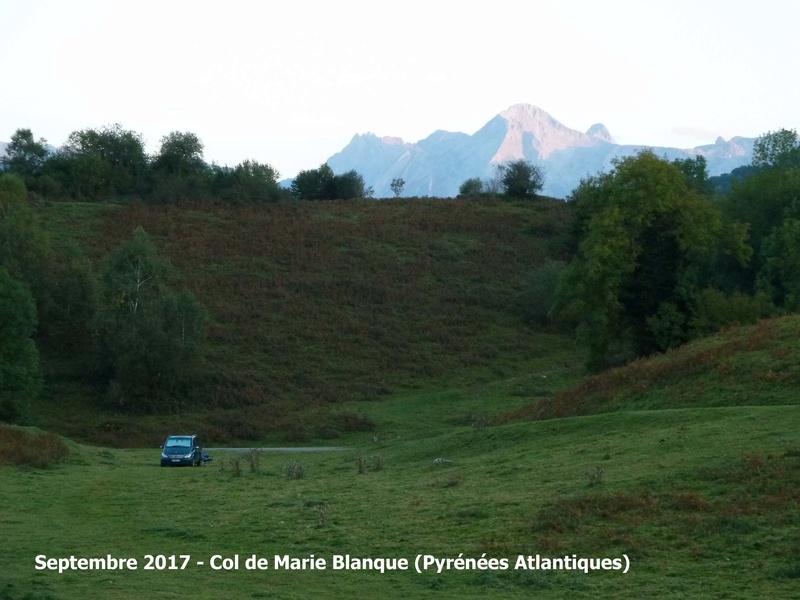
x,y
599,131
534,133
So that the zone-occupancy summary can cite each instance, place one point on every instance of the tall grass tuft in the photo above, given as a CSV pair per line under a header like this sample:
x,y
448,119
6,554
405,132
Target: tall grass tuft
x,y
254,458
294,470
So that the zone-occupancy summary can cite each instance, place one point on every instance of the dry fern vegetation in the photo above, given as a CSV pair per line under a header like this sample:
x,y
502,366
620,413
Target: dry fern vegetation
x,y
318,303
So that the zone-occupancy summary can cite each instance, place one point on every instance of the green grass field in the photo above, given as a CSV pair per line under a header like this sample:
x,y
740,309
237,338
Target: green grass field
x,y
704,501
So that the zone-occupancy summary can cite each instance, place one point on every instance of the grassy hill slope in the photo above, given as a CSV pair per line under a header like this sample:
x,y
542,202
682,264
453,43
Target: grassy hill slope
x,y
319,303
742,366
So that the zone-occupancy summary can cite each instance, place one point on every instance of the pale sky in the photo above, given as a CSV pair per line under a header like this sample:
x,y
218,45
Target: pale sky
x,y
290,83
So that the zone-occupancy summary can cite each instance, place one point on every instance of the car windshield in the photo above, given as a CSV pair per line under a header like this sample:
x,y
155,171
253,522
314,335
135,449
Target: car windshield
x,y
178,442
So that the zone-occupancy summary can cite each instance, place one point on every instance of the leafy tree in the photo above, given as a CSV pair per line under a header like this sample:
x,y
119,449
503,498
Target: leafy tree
x,y
763,201
70,299
59,276
24,155
768,201
184,320
646,241
777,149
20,376
314,184
181,153
350,185
522,179
322,184
117,155
696,172
178,170
397,186
471,187
148,335
723,184
96,163
780,275
24,246
257,181
83,176
134,277
249,181
714,309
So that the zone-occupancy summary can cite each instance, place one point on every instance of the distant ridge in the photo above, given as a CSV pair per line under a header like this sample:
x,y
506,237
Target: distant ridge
x,y
440,163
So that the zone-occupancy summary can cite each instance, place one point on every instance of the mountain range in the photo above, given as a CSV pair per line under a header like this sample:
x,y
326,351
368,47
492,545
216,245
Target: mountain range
x,y
440,163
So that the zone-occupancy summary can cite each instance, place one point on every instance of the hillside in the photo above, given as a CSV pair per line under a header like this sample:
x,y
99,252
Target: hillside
x,y
467,432
741,366
316,304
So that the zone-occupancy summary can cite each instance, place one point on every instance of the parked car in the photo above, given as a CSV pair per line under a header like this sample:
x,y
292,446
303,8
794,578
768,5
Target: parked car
x,y
181,450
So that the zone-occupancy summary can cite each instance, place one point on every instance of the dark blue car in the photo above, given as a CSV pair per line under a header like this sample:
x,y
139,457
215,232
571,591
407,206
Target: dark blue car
x,y
181,450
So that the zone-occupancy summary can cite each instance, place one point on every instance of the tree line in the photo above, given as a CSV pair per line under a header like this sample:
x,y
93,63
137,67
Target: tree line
x,y
111,163
139,337
662,258
514,179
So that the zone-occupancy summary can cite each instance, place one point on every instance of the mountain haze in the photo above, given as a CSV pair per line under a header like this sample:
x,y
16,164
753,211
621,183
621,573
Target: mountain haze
x,y
440,163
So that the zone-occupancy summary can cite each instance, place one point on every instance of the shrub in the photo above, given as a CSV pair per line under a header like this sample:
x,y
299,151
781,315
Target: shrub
x,y
378,462
595,476
253,457
323,514
471,187
714,310
38,450
294,470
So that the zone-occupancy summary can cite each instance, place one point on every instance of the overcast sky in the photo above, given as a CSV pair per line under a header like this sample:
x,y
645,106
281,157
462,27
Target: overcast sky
x,y
290,83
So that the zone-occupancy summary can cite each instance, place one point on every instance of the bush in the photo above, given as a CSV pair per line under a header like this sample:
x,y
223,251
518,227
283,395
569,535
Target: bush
x,y
322,184
714,310
294,470
471,187
38,450
522,179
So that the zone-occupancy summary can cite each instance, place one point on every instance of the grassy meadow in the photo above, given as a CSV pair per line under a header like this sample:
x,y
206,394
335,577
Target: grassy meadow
x,y
704,501
397,331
